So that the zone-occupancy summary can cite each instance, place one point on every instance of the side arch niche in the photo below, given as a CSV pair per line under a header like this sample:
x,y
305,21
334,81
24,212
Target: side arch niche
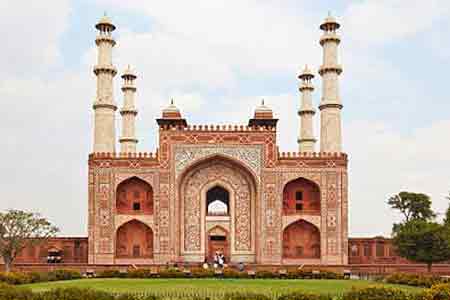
x,y
301,196
301,240
134,239
134,196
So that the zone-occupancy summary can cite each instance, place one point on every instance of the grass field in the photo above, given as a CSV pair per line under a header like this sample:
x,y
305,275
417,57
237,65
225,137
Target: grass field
x,y
212,287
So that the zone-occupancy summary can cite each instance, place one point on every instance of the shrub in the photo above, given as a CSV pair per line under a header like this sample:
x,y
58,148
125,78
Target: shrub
x,y
111,274
8,292
63,275
437,292
266,274
304,296
74,294
171,273
14,278
140,273
245,296
376,293
414,279
231,273
202,273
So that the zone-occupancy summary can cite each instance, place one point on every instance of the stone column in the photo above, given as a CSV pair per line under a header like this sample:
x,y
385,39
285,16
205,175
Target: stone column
x,y
104,105
306,140
128,139
330,106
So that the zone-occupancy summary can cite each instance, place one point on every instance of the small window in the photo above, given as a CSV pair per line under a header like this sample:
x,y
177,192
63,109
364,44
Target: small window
x,y
136,251
299,196
299,206
136,206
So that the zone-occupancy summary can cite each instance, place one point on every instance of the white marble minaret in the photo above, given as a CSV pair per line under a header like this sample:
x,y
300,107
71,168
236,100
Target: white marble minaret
x,y
330,105
306,140
104,105
128,139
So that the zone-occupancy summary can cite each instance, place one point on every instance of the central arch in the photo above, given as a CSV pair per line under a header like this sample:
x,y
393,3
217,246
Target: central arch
x,y
227,176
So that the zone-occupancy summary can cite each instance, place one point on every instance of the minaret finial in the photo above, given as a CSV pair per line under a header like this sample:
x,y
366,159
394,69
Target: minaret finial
x,y
171,101
104,13
262,101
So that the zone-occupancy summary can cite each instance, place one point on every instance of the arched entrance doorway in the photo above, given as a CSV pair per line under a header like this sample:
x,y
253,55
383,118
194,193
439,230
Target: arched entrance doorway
x,y
134,239
301,239
218,242
232,188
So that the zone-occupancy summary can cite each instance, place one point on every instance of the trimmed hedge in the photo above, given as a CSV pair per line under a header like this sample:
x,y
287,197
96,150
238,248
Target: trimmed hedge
x,y
437,292
377,293
415,279
15,278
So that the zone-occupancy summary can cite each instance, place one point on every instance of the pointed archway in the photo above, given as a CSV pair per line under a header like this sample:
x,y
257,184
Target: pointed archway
x,y
301,240
134,240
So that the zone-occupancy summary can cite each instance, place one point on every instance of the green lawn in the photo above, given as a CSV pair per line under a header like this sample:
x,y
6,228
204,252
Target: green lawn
x,y
210,287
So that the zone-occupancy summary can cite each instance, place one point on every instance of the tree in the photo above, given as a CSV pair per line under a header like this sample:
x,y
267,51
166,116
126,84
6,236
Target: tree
x,y
447,213
412,205
422,241
19,229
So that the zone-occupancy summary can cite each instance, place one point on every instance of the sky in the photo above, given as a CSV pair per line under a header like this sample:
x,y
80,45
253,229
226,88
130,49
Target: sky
x,y
218,59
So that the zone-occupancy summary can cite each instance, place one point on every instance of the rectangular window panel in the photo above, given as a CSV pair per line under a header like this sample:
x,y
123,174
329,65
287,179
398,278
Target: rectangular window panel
x,y
299,196
299,206
136,206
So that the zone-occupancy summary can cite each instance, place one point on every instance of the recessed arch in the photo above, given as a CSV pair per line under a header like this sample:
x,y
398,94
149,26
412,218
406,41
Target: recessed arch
x,y
134,239
193,184
301,239
134,196
301,195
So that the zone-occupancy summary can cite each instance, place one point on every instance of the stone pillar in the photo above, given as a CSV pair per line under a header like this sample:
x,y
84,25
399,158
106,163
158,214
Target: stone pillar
x,y
128,139
306,140
104,105
330,106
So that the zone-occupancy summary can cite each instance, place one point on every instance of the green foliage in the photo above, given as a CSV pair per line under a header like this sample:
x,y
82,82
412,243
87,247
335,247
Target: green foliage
x,y
414,279
74,294
304,296
19,229
437,292
8,292
16,278
412,205
422,241
111,274
377,293
447,213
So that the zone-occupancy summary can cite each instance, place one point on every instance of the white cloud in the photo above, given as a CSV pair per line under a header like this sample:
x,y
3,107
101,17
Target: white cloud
x,y
384,161
30,34
376,22
198,53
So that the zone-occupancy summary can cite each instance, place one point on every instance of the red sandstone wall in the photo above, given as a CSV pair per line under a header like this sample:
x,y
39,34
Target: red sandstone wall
x,y
74,250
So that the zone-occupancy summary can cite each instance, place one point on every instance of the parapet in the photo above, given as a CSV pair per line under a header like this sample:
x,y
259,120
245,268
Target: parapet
x,y
295,155
119,155
218,128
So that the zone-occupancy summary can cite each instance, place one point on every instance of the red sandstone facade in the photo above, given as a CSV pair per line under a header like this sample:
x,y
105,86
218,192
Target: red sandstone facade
x,y
281,208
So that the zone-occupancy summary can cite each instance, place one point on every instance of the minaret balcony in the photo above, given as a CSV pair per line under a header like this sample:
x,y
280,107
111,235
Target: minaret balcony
x,y
330,68
105,69
330,37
